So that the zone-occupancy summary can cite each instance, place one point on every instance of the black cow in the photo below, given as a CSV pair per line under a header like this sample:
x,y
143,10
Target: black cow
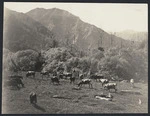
x,y
96,77
55,73
61,76
44,73
67,75
19,81
12,83
81,76
54,79
101,49
15,82
15,76
85,81
110,86
73,76
33,98
72,79
30,73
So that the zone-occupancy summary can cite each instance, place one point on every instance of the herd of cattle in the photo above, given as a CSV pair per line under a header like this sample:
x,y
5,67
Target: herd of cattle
x,y
16,81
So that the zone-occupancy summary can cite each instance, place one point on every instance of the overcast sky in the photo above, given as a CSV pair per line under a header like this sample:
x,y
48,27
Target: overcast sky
x,y
110,17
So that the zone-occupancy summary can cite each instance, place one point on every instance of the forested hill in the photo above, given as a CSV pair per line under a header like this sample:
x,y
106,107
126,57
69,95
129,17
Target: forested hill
x,y
22,32
68,28
39,28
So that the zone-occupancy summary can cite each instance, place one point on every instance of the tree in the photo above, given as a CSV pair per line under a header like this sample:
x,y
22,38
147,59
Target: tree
x,y
54,44
25,59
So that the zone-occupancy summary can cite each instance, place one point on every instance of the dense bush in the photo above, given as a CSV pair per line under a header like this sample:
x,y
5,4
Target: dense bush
x,y
54,56
7,60
26,59
125,63
22,60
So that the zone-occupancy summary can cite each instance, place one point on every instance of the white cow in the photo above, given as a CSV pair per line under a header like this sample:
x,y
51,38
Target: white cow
x,y
132,82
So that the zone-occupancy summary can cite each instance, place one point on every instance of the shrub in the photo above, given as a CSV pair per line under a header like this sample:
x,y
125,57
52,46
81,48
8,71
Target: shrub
x,y
54,56
26,59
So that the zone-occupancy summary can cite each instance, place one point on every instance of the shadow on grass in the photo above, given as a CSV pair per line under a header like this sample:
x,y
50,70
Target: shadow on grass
x,y
114,107
117,108
136,87
38,107
127,93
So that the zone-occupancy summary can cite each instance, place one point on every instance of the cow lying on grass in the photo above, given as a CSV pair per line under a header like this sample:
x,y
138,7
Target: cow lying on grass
x,y
85,81
110,86
108,97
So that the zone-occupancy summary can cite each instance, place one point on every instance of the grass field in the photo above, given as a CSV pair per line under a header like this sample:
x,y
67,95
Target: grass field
x,y
72,101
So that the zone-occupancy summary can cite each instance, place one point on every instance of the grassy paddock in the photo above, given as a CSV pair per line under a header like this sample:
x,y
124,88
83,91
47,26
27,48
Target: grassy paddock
x,y
72,101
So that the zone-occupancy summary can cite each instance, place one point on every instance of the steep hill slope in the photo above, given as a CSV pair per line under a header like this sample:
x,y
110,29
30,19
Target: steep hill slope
x,y
69,28
22,32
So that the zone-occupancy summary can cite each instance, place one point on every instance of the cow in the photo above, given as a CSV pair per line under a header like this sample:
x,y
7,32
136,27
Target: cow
x,y
44,73
33,98
15,82
67,75
104,81
110,86
101,49
72,79
85,81
19,81
81,76
108,97
54,73
54,79
15,76
12,83
30,73
60,76
132,82
73,76
96,77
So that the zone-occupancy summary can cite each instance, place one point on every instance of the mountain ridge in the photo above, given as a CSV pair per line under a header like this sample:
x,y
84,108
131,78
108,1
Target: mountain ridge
x,y
38,28
70,26
22,32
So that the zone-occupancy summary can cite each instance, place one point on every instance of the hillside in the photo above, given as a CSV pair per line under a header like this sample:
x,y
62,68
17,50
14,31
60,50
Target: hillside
x,y
22,32
68,28
133,35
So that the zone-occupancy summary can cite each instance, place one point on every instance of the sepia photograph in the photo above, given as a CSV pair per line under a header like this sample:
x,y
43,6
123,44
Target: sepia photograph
x,y
74,58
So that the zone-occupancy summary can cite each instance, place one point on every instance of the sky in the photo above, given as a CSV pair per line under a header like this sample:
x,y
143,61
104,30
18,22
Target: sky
x,y
111,17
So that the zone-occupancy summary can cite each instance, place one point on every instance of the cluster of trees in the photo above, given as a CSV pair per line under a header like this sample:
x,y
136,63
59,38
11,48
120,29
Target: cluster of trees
x,y
124,63
22,60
